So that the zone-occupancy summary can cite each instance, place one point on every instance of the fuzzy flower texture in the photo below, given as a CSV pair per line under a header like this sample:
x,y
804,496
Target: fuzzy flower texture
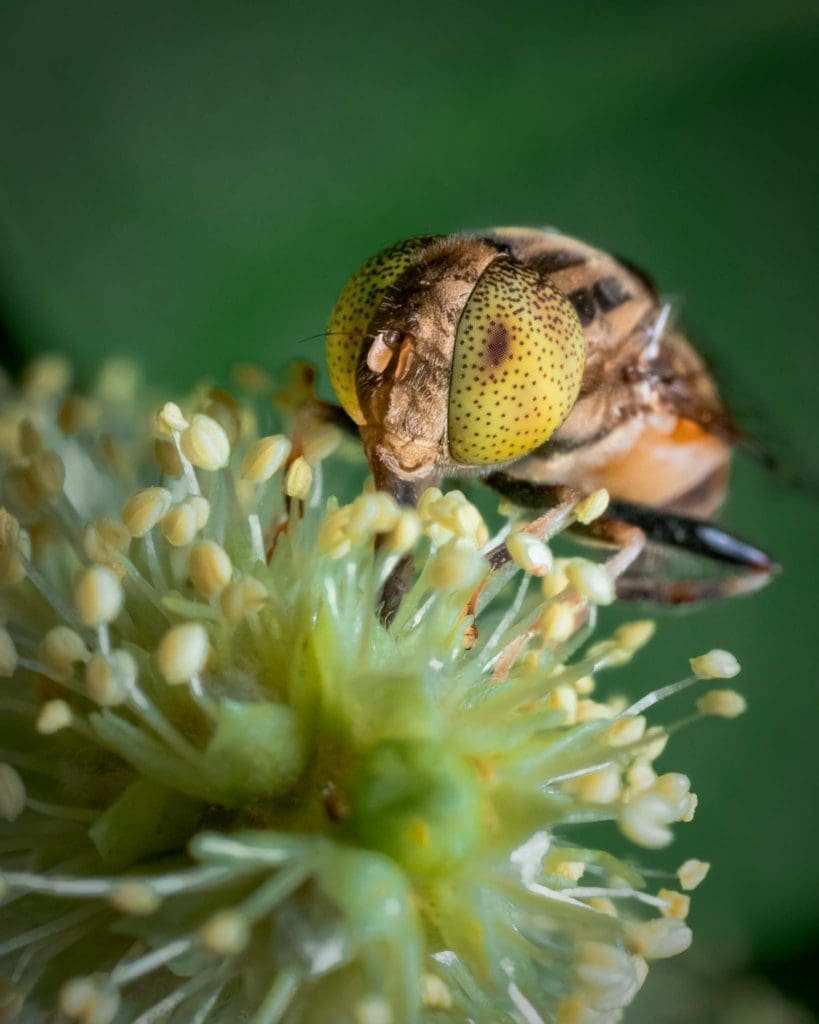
x,y
229,792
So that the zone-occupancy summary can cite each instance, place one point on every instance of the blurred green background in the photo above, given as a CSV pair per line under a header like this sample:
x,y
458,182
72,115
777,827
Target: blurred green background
x,y
191,183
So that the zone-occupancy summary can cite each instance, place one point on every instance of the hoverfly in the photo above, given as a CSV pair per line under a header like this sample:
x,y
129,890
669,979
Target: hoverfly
x,y
549,369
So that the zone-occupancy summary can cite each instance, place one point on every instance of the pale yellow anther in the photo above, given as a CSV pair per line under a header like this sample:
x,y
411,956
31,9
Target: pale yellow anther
x,y
104,539
657,939
12,793
135,898
226,933
209,568
30,440
556,581
265,457
676,789
455,565
321,442
32,483
722,704
171,420
299,479
603,905
657,742
245,596
692,873
626,730
573,1010
428,499
530,553
557,624
364,514
205,443
645,819
691,807
76,413
470,524
8,654
54,715
167,456
201,510
598,787
252,378
676,904
61,649
634,635
333,535
118,380
563,699
387,512
715,664
98,596
373,1010
89,1001
570,870
593,711
606,977
591,581
76,996
48,472
145,509
116,455
15,548
445,516
641,776
584,686
182,652
592,506
404,535
109,679
178,525
436,994
46,376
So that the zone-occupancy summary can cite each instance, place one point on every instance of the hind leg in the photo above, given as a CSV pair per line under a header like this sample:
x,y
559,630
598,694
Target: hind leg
x,y
630,528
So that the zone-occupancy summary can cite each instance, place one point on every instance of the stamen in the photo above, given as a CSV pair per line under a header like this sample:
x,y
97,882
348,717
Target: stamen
x,y
125,973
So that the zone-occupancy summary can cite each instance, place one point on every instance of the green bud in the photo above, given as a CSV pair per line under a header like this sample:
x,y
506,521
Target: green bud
x,y
418,802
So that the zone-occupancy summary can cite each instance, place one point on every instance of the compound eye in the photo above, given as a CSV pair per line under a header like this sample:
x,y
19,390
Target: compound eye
x,y
355,307
517,366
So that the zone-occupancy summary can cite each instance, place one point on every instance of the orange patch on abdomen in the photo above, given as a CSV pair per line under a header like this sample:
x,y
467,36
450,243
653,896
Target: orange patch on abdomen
x,y
661,467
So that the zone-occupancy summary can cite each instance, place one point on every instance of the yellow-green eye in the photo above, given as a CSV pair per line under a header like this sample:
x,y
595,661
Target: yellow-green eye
x,y
517,366
353,312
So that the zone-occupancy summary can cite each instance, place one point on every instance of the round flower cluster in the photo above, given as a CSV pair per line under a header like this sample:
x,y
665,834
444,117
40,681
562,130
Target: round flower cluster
x,y
230,791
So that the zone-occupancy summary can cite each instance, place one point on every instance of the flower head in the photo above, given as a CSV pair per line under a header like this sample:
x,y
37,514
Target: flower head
x,y
229,791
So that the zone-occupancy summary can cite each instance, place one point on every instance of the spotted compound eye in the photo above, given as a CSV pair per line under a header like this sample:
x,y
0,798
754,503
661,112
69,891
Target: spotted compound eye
x,y
517,366
353,312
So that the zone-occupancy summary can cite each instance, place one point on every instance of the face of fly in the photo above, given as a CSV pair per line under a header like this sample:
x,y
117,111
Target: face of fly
x,y
452,356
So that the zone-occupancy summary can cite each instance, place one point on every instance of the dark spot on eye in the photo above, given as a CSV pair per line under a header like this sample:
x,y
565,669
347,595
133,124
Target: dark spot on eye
x,y
610,293
584,304
497,345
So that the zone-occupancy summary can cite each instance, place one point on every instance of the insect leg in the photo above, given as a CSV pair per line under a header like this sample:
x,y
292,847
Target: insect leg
x,y
629,528
669,531
560,502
